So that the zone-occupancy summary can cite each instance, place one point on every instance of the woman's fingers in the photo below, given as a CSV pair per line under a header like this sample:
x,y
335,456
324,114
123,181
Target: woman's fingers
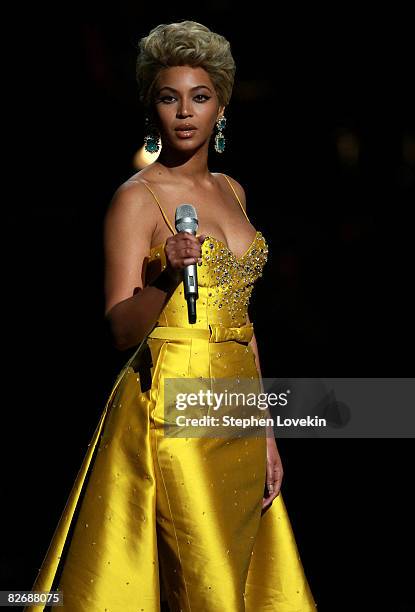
x,y
274,481
278,478
184,249
273,491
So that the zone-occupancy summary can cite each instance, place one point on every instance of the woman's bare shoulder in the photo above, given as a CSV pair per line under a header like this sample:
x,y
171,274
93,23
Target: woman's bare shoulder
x,y
236,185
134,185
133,197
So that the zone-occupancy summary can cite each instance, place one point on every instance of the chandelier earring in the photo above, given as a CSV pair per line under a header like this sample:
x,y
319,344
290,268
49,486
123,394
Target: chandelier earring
x,y
152,141
220,138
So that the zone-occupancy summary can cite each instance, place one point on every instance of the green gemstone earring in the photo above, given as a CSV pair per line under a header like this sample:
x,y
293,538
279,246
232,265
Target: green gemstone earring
x,y
220,138
152,140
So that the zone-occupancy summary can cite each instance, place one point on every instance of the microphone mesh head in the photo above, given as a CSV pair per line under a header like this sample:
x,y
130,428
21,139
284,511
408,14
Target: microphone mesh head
x,y
186,219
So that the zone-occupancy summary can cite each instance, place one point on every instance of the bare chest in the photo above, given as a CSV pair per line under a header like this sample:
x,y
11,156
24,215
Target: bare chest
x,y
219,215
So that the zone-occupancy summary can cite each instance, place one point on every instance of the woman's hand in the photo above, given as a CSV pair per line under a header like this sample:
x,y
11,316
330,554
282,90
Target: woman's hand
x,y
182,249
274,474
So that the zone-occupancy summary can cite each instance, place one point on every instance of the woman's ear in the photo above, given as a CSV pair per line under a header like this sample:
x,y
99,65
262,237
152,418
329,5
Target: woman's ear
x,y
221,111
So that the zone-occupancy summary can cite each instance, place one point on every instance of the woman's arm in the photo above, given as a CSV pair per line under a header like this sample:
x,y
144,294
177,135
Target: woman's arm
x,y
275,469
253,344
131,310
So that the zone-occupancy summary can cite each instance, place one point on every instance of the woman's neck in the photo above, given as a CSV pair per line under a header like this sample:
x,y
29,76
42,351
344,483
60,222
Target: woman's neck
x,y
192,167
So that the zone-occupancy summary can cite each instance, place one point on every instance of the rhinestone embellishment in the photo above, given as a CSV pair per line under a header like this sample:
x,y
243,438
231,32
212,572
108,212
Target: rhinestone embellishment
x,y
232,278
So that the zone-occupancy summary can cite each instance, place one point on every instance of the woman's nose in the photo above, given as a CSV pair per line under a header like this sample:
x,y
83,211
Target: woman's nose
x,y
184,109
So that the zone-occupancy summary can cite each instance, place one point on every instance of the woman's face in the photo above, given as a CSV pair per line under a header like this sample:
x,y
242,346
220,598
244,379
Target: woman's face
x,y
186,106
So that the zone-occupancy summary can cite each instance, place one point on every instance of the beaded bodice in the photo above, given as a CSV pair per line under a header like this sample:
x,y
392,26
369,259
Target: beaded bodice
x,y
225,284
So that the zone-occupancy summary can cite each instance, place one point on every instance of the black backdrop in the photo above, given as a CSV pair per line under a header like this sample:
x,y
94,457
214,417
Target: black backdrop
x,y
320,133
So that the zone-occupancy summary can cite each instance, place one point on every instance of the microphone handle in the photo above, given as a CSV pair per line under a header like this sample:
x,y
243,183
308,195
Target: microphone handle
x,y
191,308
191,293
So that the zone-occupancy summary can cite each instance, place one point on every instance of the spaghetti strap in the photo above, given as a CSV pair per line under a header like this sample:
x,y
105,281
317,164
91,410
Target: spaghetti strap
x,y
161,208
236,195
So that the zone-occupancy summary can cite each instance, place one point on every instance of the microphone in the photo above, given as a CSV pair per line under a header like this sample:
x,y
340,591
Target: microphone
x,y
186,221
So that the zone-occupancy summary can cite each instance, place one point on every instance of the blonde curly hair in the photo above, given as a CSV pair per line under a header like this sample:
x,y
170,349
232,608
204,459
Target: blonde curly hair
x,y
186,43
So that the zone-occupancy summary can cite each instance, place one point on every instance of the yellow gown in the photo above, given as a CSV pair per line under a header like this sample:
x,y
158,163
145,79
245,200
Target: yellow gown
x,y
152,517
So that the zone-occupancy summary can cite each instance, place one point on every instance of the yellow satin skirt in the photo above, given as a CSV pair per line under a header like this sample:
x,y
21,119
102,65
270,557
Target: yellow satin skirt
x,y
152,517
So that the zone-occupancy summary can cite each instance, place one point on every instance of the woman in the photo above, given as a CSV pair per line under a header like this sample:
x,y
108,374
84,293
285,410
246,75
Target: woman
x,y
148,511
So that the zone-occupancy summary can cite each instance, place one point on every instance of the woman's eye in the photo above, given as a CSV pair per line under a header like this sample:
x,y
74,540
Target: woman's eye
x,y
203,96
167,99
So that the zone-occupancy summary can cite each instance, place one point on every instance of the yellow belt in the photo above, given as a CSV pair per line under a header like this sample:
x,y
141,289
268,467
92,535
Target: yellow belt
x,y
216,333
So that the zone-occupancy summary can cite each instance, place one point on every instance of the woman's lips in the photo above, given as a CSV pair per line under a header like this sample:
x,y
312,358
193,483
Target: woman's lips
x,y
188,133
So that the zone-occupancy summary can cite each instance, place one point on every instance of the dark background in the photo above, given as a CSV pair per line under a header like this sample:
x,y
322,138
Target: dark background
x,y
321,134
